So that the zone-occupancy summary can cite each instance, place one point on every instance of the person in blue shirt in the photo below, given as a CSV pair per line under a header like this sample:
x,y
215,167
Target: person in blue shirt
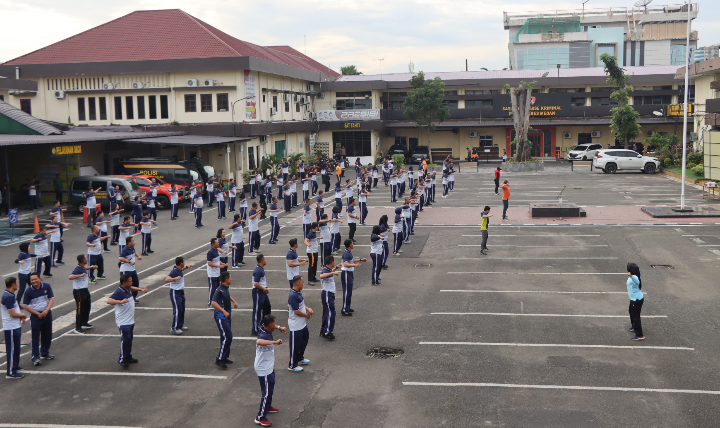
x,y
274,225
221,302
261,300
136,213
262,199
385,230
313,180
242,205
293,191
338,196
94,248
173,202
12,320
56,212
253,228
210,188
319,205
237,243
151,202
42,254
265,367
279,181
306,217
38,300
176,279
124,304
348,265
376,250
285,169
214,265
397,231
311,243
637,298
223,248
287,197
298,314
24,260
90,203
220,197
127,258
253,181
327,296
197,203
146,232
111,197
81,294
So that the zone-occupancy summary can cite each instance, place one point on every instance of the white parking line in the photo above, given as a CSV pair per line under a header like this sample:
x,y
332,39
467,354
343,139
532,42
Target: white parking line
x,y
189,309
533,258
564,387
533,292
509,314
540,273
250,288
130,374
552,235
534,246
161,336
61,426
559,345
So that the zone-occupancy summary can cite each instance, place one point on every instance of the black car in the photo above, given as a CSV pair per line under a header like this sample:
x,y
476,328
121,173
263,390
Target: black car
x,y
418,153
399,149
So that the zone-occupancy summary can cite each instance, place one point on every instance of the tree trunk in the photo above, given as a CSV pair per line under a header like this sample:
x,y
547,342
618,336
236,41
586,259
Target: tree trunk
x,y
626,142
521,101
428,145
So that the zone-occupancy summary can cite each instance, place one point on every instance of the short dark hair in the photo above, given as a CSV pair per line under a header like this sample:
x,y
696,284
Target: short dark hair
x,y
268,319
10,281
80,258
146,213
212,241
293,242
259,257
24,247
313,225
487,208
254,204
296,279
126,218
329,259
224,276
348,242
219,233
36,274
124,277
128,239
179,260
337,210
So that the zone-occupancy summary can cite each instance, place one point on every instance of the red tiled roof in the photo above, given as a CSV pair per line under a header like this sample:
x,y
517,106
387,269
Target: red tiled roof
x,y
160,34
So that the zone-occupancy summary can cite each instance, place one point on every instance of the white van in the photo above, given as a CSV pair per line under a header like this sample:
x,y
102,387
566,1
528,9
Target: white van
x,y
584,152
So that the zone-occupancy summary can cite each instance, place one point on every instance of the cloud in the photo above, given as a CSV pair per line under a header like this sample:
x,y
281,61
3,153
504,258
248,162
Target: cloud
x,y
437,35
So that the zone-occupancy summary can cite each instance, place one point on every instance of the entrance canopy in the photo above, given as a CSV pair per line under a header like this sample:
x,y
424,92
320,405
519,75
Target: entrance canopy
x,y
188,140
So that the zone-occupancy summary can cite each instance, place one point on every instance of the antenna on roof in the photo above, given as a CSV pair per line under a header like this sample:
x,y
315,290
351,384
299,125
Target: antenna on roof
x,y
381,60
411,67
643,3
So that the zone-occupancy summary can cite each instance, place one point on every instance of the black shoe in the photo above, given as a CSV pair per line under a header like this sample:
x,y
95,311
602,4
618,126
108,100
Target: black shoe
x,y
385,266
354,241
351,310
328,336
143,254
87,326
47,274
124,364
133,360
113,243
345,314
228,361
221,364
483,253
60,262
272,242
412,233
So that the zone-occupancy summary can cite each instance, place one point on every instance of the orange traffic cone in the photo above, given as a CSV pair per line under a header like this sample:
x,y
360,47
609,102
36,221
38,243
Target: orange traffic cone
x,y
37,226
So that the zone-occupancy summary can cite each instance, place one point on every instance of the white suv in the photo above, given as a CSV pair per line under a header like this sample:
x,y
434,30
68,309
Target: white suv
x,y
584,152
612,160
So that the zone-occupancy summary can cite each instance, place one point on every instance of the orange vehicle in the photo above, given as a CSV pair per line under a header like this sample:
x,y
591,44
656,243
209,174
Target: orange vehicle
x,y
163,190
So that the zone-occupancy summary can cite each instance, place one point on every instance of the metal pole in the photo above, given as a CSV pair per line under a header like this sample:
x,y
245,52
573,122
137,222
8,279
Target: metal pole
x,y
685,110
7,179
67,180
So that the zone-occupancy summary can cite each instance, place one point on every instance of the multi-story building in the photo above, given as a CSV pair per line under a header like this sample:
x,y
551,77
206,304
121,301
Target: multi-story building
x,y
705,53
651,35
166,70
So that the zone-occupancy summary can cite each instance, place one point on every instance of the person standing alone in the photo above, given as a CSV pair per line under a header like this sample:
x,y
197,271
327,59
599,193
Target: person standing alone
x,y
497,178
505,198
636,303
484,222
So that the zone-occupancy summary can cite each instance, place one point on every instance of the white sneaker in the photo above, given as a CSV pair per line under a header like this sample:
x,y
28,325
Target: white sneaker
x,y
304,362
296,369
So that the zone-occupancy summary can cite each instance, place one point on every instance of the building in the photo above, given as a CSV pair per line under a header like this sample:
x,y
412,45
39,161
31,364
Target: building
x,y
705,53
364,113
651,35
169,72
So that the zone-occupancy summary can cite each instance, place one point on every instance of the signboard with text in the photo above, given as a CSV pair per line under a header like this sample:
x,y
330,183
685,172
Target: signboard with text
x,y
347,115
542,105
251,95
678,110
66,150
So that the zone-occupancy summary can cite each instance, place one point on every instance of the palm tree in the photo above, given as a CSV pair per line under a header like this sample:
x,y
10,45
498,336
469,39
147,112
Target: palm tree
x,y
349,70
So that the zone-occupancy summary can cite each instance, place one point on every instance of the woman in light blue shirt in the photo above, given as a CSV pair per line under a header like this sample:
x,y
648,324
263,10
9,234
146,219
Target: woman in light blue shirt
x,y
636,303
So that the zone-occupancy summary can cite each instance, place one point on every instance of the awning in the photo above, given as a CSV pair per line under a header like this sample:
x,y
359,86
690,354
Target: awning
x,y
188,140
79,137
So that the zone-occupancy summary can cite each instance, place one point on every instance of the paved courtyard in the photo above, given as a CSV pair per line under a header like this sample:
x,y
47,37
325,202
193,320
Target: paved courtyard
x,y
532,335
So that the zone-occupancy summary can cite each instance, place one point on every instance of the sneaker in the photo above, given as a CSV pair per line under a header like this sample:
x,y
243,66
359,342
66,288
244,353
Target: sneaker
x,y
221,364
106,251
174,331
124,364
496,193
638,338
150,251
79,331
47,274
15,376
143,254
242,263
47,357
483,252
345,314
305,361
133,360
183,328
329,336
263,422
273,410
295,369
385,267
93,281
505,219
36,363
351,310
311,282
102,277
19,369
631,329
87,326
60,263
228,361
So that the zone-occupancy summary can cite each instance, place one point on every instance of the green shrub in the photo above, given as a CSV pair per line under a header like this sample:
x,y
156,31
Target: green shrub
x,y
667,162
398,160
695,157
691,165
699,171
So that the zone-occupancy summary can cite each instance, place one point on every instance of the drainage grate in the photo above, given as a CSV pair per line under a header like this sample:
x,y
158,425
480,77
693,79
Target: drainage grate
x,y
423,265
662,266
383,352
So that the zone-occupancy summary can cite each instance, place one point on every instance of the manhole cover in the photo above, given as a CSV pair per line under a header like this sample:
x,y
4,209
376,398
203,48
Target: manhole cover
x,y
662,266
423,265
384,352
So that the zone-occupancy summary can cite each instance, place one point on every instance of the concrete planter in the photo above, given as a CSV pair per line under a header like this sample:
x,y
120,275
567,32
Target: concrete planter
x,y
524,167
687,179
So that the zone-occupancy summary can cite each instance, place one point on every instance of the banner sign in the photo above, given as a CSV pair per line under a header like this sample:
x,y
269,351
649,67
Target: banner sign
x,y
66,150
251,95
541,105
347,115
678,110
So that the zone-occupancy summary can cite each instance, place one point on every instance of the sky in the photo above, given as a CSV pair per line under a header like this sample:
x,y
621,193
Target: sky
x,y
436,35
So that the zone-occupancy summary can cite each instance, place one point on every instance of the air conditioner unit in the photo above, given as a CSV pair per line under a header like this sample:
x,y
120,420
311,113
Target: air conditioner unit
x,y
313,115
311,88
693,136
473,135
208,83
302,100
263,138
192,82
60,95
273,111
595,134
286,98
108,86
138,85
649,133
320,95
297,98
567,135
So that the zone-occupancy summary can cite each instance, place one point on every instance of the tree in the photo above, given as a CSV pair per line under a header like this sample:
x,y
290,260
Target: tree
x,y
349,70
521,102
424,104
624,118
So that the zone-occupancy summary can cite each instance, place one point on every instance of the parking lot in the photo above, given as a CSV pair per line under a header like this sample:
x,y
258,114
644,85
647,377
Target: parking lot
x,y
533,334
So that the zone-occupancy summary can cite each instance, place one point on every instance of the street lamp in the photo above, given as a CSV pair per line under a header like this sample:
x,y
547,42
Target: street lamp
x,y
685,110
233,111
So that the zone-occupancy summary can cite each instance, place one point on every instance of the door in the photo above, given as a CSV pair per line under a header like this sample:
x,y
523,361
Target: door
x,y
536,141
280,148
629,160
413,143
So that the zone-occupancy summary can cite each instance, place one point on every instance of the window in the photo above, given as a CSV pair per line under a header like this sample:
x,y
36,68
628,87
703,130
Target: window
x,y
357,143
450,93
478,103
603,89
222,102
394,105
164,111
543,58
2,97
357,104
103,108
486,141
26,106
677,54
152,108
80,185
602,49
129,112
141,107
482,91
287,106
681,94
81,108
355,94
190,101
653,99
566,90
602,101
263,97
275,102
577,102
206,102
297,107
92,111
450,104
118,108
653,88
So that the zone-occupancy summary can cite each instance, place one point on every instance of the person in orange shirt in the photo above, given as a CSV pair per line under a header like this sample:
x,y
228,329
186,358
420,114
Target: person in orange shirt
x,y
338,171
505,198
